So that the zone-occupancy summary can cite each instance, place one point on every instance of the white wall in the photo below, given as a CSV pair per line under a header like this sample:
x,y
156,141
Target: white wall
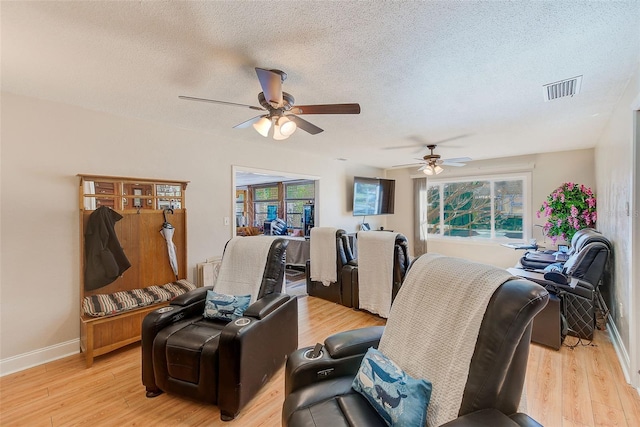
x,y
44,146
548,171
614,173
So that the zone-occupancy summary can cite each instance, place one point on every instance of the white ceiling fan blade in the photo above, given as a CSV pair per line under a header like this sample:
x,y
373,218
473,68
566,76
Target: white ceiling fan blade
x,y
399,147
406,165
214,101
458,159
446,163
423,167
249,122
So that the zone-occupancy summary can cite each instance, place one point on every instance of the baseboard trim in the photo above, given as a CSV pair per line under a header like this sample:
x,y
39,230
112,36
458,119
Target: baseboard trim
x,y
621,351
38,357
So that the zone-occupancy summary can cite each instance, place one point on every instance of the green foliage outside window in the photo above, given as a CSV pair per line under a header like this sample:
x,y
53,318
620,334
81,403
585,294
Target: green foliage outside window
x,y
466,209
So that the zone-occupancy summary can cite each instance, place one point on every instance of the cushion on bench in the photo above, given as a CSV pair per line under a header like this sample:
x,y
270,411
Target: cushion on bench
x,y
107,304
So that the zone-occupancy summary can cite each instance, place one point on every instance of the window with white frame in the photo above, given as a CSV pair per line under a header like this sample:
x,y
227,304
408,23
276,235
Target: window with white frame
x,y
478,208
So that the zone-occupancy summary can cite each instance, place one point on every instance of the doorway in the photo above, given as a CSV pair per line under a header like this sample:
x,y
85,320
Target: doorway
x,y
248,213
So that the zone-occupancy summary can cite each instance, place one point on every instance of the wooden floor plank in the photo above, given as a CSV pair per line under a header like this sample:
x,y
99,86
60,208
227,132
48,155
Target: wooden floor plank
x,y
546,389
575,387
569,388
599,374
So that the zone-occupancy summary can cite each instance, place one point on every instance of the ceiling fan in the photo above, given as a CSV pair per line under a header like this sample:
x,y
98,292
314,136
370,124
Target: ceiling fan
x,y
422,144
432,163
281,114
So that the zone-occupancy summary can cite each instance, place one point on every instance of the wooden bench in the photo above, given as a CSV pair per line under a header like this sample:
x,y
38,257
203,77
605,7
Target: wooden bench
x,y
141,203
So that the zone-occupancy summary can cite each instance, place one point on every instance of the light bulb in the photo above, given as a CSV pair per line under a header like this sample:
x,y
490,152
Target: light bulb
x,y
287,127
277,134
437,169
262,126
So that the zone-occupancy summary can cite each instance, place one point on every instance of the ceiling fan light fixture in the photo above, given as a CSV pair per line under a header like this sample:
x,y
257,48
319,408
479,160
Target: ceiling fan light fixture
x,y
277,133
287,127
432,169
262,126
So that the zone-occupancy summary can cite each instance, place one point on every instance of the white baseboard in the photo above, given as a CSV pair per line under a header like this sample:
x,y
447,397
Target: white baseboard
x,y
38,357
621,351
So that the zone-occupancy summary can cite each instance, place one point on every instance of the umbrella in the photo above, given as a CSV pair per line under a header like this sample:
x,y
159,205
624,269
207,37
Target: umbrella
x,y
167,231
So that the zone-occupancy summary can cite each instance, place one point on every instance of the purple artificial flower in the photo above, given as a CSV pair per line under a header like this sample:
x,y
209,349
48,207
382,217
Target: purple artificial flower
x,y
574,211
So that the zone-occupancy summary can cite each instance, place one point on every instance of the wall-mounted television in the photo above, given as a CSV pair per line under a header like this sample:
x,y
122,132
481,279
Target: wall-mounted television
x,y
373,196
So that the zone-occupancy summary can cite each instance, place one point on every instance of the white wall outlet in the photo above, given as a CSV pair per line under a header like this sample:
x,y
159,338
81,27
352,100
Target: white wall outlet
x,y
226,220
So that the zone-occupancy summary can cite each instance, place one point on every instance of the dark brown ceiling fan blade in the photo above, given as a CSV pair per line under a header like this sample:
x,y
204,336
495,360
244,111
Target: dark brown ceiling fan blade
x,y
304,125
326,109
271,83
249,122
213,101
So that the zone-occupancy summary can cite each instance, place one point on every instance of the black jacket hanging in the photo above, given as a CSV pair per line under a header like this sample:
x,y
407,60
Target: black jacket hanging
x,y
105,259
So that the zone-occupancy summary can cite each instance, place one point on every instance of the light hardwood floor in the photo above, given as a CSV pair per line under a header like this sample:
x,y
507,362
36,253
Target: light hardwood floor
x,y
580,387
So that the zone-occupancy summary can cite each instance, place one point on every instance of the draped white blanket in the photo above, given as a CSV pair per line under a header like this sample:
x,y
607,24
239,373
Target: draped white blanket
x,y
323,255
375,271
434,323
243,264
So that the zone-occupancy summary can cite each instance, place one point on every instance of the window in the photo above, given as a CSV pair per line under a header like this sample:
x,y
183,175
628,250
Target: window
x,y
269,198
265,204
478,208
297,194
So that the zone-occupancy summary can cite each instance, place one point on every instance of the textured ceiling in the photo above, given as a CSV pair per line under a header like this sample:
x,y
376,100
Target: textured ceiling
x,y
421,71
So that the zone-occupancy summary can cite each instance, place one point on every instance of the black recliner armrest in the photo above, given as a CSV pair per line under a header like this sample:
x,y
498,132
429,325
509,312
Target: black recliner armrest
x,y
192,296
266,305
153,323
340,356
557,277
356,342
494,418
249,348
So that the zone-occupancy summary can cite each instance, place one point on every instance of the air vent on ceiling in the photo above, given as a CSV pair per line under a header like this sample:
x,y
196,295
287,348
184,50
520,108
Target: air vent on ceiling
x,y
561,89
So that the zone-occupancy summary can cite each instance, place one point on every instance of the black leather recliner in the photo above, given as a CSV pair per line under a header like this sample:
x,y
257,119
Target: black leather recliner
x,y
401,261
577,283
215,361
318,391
539,260
339,291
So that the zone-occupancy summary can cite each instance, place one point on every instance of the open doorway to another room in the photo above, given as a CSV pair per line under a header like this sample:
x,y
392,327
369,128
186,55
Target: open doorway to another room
x,y
262,196
278,203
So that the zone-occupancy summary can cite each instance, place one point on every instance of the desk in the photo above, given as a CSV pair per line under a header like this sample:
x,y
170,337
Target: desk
x,y
298,250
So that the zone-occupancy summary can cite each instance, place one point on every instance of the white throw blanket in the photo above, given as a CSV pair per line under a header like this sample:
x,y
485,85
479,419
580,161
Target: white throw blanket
x,y
434,324
323,255
243,264
375,271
